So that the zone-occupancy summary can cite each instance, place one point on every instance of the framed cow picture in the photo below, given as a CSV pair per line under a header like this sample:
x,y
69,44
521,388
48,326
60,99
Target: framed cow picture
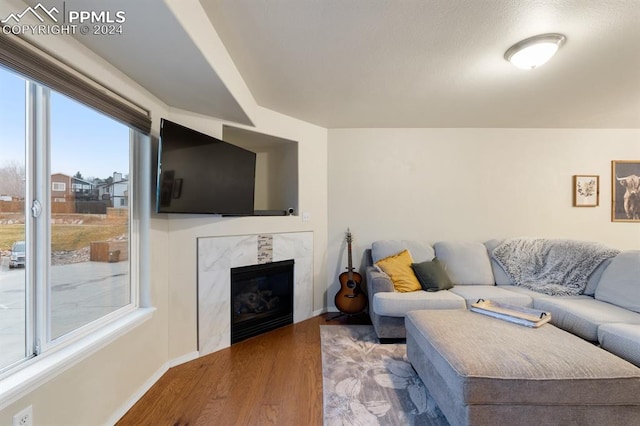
x,y
625,191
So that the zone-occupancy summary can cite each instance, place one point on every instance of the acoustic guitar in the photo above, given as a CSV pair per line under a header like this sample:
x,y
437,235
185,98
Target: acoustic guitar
x,y
350,299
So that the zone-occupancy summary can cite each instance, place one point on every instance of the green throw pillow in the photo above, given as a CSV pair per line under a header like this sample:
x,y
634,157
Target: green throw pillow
x,y
432,276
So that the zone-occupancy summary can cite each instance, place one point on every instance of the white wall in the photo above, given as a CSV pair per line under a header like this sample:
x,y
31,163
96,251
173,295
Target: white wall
x,y
470,184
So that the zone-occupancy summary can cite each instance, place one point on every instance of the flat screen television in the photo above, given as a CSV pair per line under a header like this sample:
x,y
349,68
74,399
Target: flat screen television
x,y
200,174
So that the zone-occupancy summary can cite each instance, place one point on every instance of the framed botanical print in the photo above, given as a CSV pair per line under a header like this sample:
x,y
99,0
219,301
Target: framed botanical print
x,y
625,191
586,190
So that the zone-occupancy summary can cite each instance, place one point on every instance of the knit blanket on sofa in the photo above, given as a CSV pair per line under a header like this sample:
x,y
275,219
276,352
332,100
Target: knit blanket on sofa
x,y
552,266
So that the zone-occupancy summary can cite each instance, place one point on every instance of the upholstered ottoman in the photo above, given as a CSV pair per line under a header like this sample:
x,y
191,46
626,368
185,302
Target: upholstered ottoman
x,y
482,370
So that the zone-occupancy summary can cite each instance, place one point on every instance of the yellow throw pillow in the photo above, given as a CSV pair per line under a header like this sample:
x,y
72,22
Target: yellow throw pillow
x,y
398,267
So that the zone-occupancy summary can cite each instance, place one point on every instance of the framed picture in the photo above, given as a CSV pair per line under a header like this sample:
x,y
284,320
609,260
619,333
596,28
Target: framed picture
x,y
625,191
586,190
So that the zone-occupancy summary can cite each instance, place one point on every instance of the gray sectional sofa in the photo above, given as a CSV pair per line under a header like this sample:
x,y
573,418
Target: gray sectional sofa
x,y
604,311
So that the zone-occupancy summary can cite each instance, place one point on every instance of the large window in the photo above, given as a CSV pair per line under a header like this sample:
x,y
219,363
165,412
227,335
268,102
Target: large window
x,y
66,265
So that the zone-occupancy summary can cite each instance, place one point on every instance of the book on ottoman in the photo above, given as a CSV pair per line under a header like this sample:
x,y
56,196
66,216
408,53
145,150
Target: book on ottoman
x,y
517,314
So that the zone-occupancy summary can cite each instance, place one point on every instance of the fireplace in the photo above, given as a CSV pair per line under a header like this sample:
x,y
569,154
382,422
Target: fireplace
x,y
218,255
261,298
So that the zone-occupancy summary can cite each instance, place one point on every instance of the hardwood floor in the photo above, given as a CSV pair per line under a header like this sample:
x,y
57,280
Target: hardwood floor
x,y
274,378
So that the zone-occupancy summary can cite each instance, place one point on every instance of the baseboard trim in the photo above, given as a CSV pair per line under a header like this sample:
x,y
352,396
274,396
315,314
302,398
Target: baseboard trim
x,y
139,393
319,312
184,358
148,384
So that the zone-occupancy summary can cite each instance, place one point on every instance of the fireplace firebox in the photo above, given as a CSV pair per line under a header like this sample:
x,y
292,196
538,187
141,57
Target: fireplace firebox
x,y
261,298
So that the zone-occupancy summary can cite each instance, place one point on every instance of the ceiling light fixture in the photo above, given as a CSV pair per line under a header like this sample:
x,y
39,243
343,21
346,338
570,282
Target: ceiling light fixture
x,y
534,51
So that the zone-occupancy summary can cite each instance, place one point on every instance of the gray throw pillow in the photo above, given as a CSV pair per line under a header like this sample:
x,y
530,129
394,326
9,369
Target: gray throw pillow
x,y
432,276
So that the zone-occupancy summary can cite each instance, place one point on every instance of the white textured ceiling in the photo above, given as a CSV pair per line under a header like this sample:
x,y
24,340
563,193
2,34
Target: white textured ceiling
x,y
435,63
391,63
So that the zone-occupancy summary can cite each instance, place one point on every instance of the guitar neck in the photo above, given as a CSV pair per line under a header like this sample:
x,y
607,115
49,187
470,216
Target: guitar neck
x,y
350,261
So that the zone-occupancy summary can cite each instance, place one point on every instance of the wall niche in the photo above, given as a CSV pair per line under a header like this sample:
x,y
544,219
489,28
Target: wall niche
x,y
276,169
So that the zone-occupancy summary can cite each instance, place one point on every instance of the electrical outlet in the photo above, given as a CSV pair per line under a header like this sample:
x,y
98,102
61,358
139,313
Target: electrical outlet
x,y
24,417
306,216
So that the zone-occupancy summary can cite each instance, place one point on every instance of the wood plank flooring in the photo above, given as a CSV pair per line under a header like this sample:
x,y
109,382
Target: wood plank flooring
x,y
271,379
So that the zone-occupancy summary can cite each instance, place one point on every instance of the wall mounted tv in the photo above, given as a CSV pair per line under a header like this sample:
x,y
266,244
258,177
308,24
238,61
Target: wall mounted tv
x,y
198,173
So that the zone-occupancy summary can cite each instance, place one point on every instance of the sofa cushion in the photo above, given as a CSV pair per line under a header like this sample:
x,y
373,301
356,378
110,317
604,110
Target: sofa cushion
x,y
500,275
432,275
395,304
398,267
620,282
471,294
594,278
525,291
622,340
467,263
384,248
582,315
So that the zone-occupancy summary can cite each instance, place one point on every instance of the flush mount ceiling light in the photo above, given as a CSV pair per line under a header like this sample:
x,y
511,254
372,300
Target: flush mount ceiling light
x,y
534,51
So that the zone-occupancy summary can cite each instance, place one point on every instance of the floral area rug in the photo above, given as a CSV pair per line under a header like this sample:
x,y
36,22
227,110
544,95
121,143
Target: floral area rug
x,y
367,383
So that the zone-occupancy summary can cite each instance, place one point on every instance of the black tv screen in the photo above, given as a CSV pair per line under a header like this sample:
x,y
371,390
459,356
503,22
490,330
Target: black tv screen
x,y
198,173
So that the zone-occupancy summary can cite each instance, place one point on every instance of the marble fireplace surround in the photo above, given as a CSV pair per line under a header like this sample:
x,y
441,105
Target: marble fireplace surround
x,y
216,257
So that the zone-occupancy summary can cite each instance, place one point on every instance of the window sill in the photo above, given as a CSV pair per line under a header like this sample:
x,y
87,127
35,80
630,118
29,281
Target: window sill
x,y
39,370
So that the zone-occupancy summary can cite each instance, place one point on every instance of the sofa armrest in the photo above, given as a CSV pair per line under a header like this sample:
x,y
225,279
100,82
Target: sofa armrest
x,y
377,281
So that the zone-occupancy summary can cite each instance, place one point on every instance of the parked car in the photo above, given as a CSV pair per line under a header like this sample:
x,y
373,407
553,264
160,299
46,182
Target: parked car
x,y
18,254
